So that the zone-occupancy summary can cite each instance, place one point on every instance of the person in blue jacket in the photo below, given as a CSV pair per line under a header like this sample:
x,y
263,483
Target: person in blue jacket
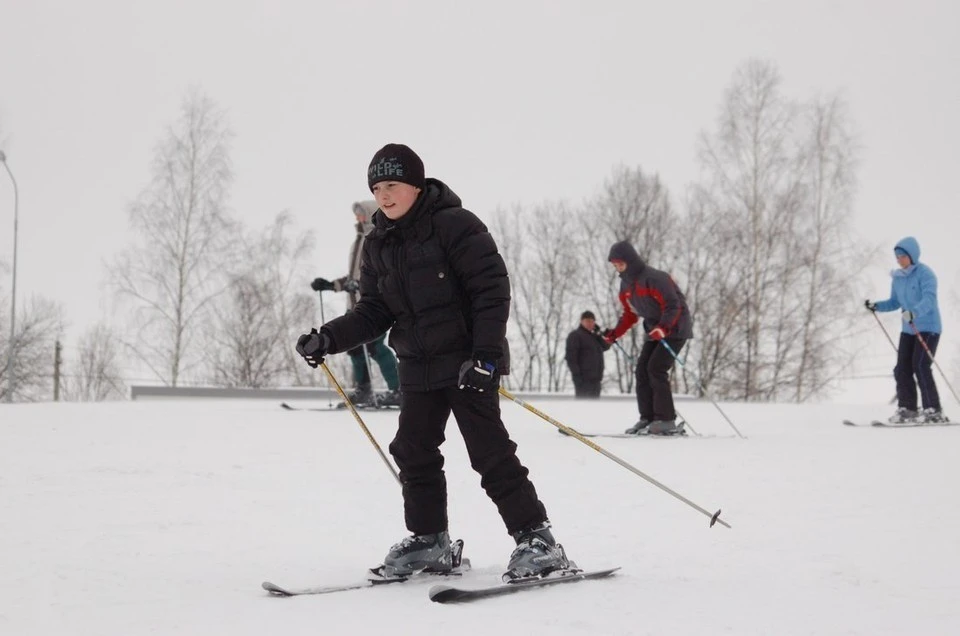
x,y
914,292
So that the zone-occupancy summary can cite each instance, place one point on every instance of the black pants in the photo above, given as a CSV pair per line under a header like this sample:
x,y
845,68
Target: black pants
x,y
586,389
654,397
416,449
913,360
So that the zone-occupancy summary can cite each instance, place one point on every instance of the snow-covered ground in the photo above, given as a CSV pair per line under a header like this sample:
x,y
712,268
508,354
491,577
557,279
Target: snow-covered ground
x,y
164,518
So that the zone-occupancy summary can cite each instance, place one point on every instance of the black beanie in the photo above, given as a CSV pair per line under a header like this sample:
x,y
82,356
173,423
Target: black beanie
x,y
587,314
396,162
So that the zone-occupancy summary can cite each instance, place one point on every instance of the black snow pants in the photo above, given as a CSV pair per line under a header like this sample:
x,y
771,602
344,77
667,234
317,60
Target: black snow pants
x,y
416,449
654,396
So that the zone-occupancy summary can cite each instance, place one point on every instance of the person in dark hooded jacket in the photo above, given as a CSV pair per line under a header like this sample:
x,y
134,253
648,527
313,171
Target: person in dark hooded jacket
x,y
652,295
913,291
431,273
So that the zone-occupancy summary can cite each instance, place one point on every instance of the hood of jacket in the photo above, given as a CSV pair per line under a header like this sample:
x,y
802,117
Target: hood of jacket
x,y
624,251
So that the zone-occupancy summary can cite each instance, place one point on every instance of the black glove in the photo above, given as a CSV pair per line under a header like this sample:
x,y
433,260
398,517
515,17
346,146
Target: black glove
x,y
313,346
607,336
871,306
477,375
351,285
321,284
597,330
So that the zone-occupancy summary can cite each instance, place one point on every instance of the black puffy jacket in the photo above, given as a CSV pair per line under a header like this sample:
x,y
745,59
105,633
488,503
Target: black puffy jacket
x,y
435,278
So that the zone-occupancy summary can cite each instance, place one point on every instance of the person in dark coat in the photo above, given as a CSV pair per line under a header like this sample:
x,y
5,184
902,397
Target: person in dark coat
x,y
585,349
652,295
432,274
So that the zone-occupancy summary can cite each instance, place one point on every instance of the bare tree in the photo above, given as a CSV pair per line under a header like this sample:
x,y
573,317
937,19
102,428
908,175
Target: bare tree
x,y
258,321
95,374
780,181
39,324
753,174
178,268
831,261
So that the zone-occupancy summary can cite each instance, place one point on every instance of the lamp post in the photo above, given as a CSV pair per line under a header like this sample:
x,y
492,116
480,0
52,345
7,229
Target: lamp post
x,y
13,289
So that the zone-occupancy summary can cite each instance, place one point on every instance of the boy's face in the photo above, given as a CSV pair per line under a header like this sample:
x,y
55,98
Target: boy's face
x,y
620,266
395,198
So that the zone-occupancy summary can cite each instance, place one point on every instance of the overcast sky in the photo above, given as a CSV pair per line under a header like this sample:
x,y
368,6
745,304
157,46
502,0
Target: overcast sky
x,y
508,102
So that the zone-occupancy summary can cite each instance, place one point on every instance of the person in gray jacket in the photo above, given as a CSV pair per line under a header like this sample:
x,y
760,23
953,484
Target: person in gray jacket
x,y
377,350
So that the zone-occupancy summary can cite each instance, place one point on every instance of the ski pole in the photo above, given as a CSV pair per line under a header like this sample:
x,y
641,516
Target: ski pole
x,y
323,319
714,518
933,360
885,332
686,423
700,386
363,426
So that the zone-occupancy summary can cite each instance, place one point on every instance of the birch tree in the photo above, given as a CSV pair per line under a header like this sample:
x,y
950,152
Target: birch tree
x,y
184,234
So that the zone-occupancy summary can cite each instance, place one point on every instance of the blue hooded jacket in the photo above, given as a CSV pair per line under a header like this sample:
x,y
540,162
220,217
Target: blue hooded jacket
x,y
915,289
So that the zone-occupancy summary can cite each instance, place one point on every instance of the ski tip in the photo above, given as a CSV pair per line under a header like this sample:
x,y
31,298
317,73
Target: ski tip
x,y
275,589
438,591
284,405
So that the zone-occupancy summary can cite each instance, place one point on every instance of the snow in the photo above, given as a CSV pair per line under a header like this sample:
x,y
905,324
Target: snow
x,y
164,517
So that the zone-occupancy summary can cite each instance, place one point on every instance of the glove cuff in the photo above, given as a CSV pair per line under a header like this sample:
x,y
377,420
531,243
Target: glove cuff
x,y
486,357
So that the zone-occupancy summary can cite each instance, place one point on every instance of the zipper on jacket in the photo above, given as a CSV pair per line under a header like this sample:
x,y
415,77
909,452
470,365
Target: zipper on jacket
x,y
413,316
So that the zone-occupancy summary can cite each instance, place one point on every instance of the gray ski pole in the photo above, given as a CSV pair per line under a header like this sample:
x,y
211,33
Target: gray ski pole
x,y
356,415
323,319
714,517
702,390
686,422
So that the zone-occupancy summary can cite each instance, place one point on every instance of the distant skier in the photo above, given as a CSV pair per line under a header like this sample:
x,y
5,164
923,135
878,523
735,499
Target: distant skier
x,y
432,272
914,291
377,350
652,295
584,356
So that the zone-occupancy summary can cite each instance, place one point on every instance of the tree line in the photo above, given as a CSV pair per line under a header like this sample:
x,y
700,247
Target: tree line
x,y
760,243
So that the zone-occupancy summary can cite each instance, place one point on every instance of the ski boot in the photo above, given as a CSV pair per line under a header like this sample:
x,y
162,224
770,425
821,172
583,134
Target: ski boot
x,y
361,397
537,554
933,416
388,399
903,416
420,553
665,427
639,428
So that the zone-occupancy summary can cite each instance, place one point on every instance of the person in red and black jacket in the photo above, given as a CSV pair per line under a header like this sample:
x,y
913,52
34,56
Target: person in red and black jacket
x,y
652,295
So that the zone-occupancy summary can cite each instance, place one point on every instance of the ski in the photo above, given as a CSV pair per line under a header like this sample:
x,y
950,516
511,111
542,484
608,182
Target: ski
x,y
448,594
880,424
276,590
375,578
340,406
682,432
